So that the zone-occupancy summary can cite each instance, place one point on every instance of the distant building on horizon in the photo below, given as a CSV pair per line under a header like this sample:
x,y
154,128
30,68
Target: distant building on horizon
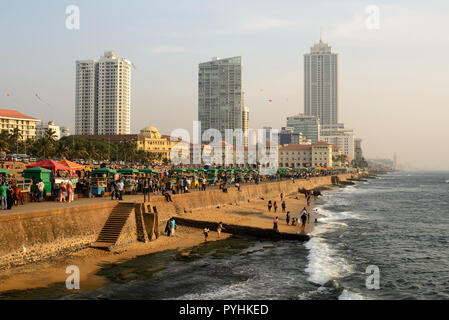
x,y
358,152
289,135
321,83
42,128
308,125
103,96
338,135
220,96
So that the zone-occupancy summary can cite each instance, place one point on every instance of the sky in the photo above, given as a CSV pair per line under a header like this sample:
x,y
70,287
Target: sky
x,y
393,80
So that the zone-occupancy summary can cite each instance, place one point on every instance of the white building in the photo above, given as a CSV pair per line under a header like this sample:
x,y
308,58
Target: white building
x,y
103,96
341,137
65,132
42,128
245,124
220,96
321,83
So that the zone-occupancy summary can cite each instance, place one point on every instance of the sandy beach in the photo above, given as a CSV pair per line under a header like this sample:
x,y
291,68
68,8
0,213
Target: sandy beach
x,y
90,261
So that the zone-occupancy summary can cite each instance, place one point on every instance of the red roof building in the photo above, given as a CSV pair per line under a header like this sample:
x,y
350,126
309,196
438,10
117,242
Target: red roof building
x,y
12,119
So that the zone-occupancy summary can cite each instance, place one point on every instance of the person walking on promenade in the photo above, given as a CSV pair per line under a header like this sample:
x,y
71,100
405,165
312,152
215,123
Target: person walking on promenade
x,y
62,189
113,189
220,228
40,189
172,226
275,224
3,193
9,198
269,205
69,191
284,206
288,218
120,187
206,233
275,207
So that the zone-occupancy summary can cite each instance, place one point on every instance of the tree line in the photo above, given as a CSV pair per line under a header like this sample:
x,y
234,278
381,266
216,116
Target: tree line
x,y
75,148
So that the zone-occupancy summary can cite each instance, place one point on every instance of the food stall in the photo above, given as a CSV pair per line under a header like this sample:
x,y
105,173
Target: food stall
x,y
130,179
212,176
33,175
100,179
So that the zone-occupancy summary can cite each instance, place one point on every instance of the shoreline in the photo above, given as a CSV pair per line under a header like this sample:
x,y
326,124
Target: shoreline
x,y
92,261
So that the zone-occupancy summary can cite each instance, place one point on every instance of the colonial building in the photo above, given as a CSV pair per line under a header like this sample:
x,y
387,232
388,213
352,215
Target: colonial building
x,y
12,119
306,156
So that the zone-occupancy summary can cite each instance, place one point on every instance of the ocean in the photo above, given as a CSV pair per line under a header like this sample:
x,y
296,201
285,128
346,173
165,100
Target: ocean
x,y
397,224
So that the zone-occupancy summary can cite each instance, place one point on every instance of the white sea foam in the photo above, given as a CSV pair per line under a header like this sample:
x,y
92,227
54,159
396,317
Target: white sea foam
x,y
349,295
323,262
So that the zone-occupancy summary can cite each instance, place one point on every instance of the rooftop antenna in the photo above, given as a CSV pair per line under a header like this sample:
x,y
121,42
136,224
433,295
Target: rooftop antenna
x,y
321,34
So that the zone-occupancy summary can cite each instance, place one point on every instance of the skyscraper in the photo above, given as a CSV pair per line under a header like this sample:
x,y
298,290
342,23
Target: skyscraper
x,y
245,123
103,96
220,98
321,83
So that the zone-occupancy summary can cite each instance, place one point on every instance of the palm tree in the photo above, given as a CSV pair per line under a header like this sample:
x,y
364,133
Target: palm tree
x,y
128,150
62,150
14,136
50,134
43,147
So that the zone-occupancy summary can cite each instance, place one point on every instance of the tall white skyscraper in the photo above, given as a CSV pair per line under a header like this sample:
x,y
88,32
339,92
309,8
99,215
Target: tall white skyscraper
x,y
245,123
220,97
103,96
321,83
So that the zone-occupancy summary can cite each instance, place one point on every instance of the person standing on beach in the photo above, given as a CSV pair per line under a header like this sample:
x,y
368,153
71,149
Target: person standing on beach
x,y
288,218
206,233
304,219
220,228
275,224
275,207
167,228
282,197
172,226
284,206
269,205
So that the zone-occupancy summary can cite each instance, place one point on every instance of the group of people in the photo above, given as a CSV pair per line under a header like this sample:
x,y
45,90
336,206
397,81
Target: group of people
x,y
304,215
64,192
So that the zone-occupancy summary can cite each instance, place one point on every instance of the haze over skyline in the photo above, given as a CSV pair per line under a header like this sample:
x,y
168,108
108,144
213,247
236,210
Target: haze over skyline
x,y
393,80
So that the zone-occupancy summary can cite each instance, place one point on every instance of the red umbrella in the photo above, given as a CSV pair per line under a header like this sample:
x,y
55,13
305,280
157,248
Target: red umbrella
x,y
50,165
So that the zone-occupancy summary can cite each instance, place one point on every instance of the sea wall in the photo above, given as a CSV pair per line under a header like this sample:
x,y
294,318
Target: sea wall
x,y
33,236
30,237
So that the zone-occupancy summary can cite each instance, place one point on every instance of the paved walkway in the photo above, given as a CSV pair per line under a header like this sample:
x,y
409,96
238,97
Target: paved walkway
x,y
51,205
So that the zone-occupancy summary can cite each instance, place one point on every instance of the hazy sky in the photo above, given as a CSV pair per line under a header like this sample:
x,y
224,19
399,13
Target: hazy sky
x,y
394,86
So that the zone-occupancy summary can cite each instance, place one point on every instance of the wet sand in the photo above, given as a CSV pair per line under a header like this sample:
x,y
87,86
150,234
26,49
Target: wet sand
x,y
90,261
